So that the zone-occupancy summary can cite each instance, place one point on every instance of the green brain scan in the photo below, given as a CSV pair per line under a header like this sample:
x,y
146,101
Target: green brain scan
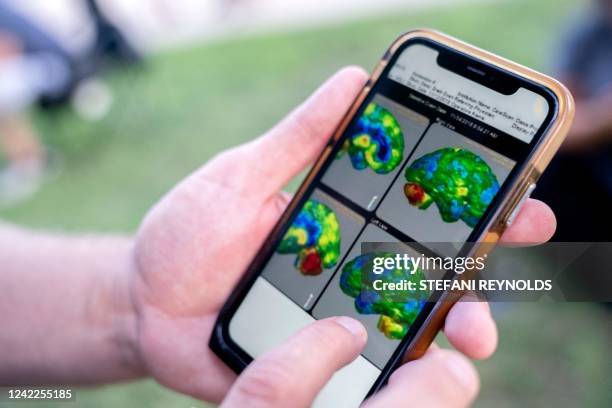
x,y
396,313
460,183
315,237
376,141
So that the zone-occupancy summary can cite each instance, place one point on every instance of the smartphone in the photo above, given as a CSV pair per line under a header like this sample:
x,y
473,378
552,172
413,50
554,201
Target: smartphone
x,y
430,98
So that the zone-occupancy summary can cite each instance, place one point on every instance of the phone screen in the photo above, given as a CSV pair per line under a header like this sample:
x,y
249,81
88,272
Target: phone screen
x,y
434,117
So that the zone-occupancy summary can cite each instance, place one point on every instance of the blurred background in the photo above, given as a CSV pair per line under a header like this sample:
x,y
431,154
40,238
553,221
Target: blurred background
x,y
105,105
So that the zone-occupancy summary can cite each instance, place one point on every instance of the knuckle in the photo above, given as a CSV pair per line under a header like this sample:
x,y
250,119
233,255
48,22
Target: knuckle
x,y
265,384
281,201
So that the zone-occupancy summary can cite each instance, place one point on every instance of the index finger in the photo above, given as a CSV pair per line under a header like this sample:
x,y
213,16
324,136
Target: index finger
x,y
535,224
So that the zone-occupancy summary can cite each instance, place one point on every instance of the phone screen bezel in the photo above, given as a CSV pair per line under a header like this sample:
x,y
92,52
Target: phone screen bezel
x,y
497,78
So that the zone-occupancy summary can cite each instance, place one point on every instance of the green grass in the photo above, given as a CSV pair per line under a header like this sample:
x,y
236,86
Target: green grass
x,y
185,106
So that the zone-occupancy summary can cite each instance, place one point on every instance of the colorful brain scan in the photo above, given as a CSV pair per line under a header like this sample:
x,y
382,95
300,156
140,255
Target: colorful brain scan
x,y
315,237
397,310
460,183
376,141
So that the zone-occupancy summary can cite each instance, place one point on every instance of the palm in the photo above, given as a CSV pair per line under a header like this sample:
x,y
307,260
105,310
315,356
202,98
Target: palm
x,y
191,250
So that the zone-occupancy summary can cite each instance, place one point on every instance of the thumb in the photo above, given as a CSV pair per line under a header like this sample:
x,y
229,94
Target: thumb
x,y
299,138
441,378
294,373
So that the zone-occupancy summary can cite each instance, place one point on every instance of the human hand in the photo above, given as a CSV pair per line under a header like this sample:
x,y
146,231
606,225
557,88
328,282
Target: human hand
x,y
196,243
293,373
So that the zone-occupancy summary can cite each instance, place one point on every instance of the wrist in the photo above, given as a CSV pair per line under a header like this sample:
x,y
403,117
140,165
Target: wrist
x,y
125,314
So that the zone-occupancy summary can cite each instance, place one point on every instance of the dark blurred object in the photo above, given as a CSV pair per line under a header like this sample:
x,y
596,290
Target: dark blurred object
x,y
110,41
578,183
578,197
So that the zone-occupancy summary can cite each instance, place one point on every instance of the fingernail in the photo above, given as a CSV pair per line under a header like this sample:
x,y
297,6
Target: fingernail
x,y
352,326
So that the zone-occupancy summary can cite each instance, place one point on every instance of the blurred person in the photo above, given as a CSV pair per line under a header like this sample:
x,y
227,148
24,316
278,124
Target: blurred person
x,y
50,67
94,309
578,183
33,67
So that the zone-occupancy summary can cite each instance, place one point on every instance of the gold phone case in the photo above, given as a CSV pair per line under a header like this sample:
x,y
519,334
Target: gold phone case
x,y
526,179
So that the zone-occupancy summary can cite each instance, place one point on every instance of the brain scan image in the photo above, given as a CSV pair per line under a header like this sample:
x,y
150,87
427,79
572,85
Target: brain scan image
x,y
314,237
376,141
356,281
460,183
